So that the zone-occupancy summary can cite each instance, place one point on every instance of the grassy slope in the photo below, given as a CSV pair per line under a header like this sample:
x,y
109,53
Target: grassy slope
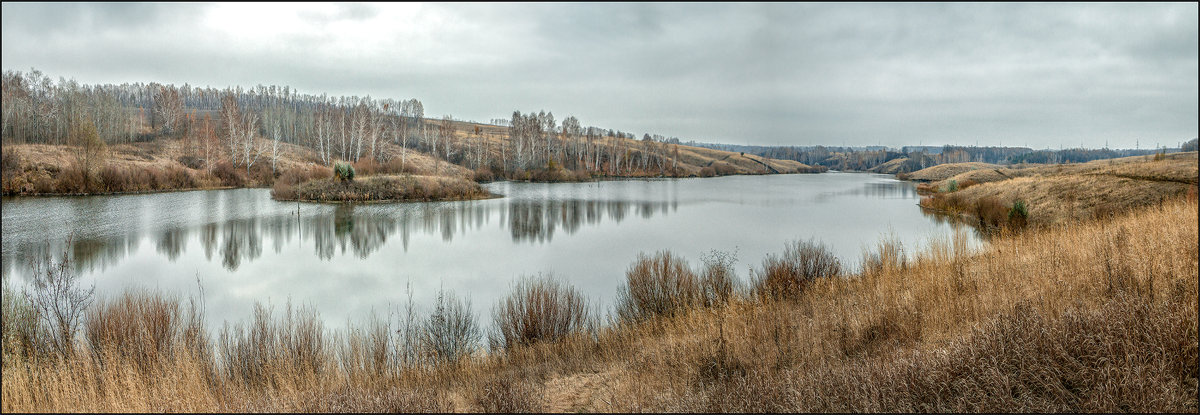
x,y
1067,192
944,171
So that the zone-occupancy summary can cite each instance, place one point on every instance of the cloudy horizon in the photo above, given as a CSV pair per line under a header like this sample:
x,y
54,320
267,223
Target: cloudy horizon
x,y
1036,75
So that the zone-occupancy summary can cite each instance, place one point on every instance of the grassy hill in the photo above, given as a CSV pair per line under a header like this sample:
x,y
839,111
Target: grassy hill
x,y
1060,193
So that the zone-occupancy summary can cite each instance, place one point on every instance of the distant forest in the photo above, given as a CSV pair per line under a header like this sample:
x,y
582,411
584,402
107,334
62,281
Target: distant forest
x,y
919,157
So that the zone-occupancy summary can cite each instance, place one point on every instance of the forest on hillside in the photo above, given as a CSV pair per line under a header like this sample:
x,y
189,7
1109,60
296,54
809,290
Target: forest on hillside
x,y
248,126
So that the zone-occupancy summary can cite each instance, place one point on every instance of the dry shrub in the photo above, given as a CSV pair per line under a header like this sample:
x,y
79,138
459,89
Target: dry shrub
x,y
992,214
145,328
262,174
10,164
723,168
450,333
114,179
718,280
367,167
396,166
802,263
249,354
75,179
661,285
887,257
228,175
708,171
967,183
483,175
20,323
555,174
508,394
285,186
538,309
191,162
945,202
179,178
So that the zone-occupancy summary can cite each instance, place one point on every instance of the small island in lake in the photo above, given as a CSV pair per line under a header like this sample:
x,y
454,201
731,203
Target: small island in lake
x,y
343,187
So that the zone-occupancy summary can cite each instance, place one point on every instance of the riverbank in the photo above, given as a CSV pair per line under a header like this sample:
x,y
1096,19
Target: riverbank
x,y
1093,316
1060,193
165,164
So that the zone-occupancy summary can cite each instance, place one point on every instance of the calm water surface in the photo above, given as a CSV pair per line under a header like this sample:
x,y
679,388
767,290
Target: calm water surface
x,y
347,260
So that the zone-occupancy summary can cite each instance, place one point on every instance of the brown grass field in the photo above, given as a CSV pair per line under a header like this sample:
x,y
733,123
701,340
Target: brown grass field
x,y
1062,193
1090,316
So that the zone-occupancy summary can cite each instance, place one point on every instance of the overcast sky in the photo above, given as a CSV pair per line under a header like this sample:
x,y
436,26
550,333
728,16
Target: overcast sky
x,y
1042,75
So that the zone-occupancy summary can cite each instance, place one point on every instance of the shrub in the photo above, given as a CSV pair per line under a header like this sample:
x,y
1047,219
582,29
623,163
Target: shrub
x,y
20,323
1018,214
990,212
136,326
708,171
113,179
178,178
483,175
10,163
952,186
660,285
191,162
538,309
75,179
368,166
718,280
343,172
228,175
262,174
723,168
450,332
801,263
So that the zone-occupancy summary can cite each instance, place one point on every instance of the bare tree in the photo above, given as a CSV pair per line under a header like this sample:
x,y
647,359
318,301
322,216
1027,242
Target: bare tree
x,y
88,148
231,120
168,109
58,299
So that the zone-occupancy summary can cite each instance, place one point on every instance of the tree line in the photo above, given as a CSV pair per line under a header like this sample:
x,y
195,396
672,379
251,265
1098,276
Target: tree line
x,y
249,126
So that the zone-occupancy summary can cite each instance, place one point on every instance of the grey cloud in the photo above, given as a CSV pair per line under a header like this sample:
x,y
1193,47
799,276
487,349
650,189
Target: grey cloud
x,y
760,73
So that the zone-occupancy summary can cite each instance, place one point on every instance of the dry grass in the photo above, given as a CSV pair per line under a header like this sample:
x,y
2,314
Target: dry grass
x,y
946,171
1057,194
1097,316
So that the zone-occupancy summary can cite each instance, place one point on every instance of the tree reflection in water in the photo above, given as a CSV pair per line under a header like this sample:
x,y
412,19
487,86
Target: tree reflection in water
x,y
361,230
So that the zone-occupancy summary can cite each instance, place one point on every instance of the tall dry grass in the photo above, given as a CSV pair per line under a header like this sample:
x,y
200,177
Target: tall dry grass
x,y
1099,316
539,309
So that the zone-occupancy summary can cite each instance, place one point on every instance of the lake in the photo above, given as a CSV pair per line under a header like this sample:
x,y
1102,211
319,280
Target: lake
x,y
347,260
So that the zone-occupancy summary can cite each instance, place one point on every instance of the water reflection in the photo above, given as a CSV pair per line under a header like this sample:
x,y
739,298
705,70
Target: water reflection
x,y
358,230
